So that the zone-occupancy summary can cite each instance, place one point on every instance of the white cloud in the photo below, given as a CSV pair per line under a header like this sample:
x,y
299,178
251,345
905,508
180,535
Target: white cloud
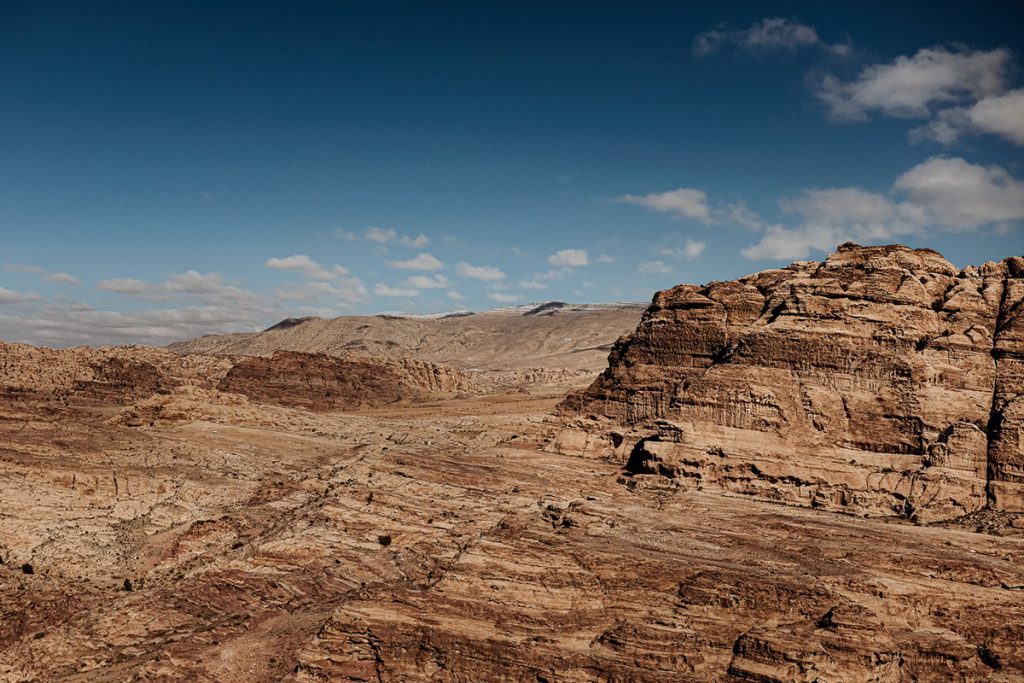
x,y
793,243
999,114
9,296
771,34
485,273
532,284
941,193
194,282
959,195
428,281
654,268
605,258
76,323
123,285
690,250
553,274
910,87
379,235
389,236
569,258
455,295
190,286
387,290
422,261
346,290
347,235
65,278
686,202
840,206
1002,115
309,268
738,214
504,298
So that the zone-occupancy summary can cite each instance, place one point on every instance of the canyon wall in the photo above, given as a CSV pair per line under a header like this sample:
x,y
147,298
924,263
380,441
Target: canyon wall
x,y
881,381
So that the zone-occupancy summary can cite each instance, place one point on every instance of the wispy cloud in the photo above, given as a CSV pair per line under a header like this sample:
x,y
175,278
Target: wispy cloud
x,y
771,34
428,281
123,285
387,290
997,114
63,278
422,261
390,236
569,258
654,268
301,263
485,273
690,250
19,268
532,284
685,202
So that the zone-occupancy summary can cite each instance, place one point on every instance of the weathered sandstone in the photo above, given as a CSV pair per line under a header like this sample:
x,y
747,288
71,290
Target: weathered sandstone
x,y
881,381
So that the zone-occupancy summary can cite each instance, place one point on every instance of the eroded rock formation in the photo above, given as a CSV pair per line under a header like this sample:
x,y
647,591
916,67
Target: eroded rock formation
x,y
880,381
317,381
138,376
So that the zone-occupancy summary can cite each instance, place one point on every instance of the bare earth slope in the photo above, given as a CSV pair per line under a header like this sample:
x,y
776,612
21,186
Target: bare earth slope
x,y
514,342
880,381
311,517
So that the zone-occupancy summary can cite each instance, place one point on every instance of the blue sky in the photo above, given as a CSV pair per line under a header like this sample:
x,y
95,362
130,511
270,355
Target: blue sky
x,y
175,169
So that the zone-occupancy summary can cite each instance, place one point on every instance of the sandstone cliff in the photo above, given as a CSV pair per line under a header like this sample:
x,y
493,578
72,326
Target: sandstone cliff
x,y
880,381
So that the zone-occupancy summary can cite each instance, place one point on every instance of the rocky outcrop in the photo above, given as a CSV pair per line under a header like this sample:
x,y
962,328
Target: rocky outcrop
x,y
422,375
316,381
881,381
120,374
139,376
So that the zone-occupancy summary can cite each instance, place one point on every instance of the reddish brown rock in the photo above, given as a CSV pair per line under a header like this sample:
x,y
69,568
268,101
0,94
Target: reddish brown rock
x,y
881,381
321,382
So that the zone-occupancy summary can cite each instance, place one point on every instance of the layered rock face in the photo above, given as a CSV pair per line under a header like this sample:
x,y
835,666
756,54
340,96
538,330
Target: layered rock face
x,y
881,381
146,378
321,382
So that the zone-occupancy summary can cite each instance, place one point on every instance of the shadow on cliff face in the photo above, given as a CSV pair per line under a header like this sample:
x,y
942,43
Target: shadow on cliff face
x,y
638,459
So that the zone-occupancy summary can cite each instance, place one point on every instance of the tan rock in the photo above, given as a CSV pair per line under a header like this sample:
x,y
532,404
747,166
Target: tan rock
x,y
881,381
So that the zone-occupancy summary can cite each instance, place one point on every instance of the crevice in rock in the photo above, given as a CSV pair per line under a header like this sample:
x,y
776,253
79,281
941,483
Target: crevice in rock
x,y
995,415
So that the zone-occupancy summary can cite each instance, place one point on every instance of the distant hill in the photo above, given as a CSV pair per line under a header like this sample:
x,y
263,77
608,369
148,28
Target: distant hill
x,y
573,337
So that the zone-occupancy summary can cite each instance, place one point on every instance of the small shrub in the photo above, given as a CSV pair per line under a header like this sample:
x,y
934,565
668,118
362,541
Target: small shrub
x,y
384,540
128,585
27,569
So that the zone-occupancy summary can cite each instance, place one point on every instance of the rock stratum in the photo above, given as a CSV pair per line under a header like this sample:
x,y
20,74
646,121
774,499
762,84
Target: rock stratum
x,y
881,381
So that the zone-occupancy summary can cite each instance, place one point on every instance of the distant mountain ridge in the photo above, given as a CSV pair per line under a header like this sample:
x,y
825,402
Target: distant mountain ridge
x,y
544,335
